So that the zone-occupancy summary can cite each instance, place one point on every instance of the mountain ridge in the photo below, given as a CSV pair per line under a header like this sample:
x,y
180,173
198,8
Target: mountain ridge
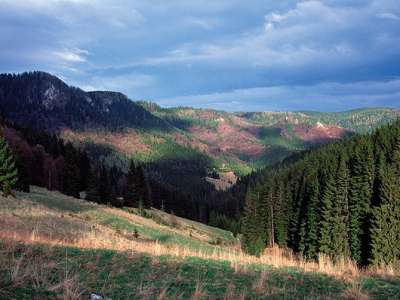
x,y
179,141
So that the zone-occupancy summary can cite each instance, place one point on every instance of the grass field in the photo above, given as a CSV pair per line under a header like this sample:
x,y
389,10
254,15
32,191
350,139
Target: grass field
x,y
57,247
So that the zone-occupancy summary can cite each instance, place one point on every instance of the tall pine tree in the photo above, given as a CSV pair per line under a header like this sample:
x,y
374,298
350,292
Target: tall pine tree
x,y
8,170
386,222
311,234
131,194
254,237
71,174
360,198
325,228
340,222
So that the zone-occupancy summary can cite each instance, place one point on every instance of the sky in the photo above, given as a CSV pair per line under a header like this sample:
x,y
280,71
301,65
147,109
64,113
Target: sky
x,y
234,55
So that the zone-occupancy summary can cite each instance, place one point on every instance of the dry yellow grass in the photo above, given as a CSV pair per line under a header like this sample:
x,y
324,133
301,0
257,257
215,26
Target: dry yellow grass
x,y
33,268
354,292
36,223
102,237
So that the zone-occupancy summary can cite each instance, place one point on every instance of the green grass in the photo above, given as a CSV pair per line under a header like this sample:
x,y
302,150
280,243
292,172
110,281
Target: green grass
x,y
164,233
36,271
134,276
56,200
151,234
125,276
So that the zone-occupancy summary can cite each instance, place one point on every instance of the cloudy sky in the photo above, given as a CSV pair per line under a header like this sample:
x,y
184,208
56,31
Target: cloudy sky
x,y
226,54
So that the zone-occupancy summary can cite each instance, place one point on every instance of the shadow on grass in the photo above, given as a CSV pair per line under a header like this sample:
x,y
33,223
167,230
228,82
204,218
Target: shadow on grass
x,y
136,276
382,287
56,200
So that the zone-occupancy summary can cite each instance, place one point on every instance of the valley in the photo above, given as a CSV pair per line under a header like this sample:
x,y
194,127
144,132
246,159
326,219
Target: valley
x,y
114,128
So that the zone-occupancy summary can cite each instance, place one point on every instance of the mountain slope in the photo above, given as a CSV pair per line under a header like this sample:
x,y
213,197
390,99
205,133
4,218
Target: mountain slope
x,y
358,120
260,138
45,102
180,146
58,247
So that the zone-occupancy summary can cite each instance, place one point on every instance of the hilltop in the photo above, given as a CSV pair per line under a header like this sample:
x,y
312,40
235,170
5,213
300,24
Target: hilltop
x,y
173,141
54,246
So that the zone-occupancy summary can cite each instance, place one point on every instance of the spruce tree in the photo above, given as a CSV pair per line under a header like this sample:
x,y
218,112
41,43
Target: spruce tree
x,y
253,240
325,228
279,214
71,174
143,188
360,198
131,195
311,225
340,221
8,170
386,223
296,233
396,155
385,231
92,193
263,215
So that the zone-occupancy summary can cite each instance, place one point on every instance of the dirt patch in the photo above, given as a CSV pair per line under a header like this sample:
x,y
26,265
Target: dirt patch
x,y
320,132
239,138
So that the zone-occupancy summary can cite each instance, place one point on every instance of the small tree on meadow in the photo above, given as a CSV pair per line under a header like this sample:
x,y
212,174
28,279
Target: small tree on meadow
x,y
8,170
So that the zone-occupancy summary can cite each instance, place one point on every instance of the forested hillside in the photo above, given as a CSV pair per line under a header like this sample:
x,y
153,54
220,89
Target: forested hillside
x,y
342,200
45,160
191,158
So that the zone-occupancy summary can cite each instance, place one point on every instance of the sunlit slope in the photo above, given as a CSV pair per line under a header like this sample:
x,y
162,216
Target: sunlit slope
x,y
57,247
42,214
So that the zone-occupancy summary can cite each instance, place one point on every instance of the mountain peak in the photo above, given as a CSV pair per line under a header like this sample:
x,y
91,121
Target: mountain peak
x,y
44,101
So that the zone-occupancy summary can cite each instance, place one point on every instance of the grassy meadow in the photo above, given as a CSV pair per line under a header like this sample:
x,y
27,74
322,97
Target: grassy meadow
x,y
57,247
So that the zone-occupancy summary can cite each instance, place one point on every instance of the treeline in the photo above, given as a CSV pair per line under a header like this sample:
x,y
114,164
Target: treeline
x,y
342,200
48,161
112,186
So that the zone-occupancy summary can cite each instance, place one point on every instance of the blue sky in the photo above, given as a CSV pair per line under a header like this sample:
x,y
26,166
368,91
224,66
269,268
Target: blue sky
x,y
225,54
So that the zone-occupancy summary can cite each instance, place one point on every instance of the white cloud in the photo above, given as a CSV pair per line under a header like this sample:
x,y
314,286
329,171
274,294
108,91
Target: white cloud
x,y
312,32
72,55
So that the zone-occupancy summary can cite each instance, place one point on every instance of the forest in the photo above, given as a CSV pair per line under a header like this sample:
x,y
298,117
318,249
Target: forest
x,y
46,160
342,200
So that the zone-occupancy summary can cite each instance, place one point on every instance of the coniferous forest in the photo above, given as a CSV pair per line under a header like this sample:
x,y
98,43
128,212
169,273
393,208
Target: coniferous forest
x,y
342,200
46,160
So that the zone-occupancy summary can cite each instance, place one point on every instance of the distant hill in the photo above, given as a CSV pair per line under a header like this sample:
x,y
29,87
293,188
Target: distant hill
x,y
180,146
261,138
45,102
359,120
